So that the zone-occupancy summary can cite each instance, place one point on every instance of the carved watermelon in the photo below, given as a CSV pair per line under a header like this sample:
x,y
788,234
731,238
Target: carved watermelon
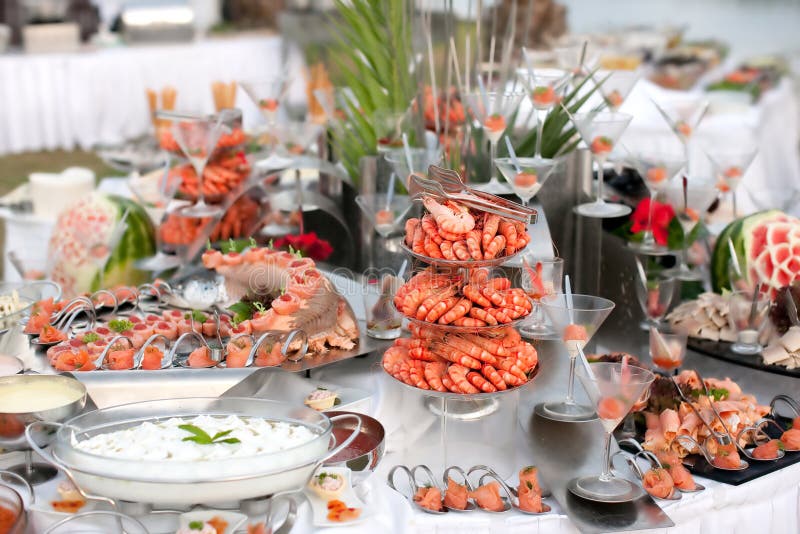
x,y
96,215
768,247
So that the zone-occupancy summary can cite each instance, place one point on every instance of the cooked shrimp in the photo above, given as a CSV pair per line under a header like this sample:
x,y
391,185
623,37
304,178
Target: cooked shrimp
x,y
490,224
478,380
461,308
451,218
458,373
442,307
494,377
430,229
434,371
495,246
461,250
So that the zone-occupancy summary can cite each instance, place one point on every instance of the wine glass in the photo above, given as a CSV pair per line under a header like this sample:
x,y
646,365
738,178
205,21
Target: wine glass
x,y
730,168
683,115
656,170
690,203
540,277
613,388
617,85
655,294
385,212
667,350
197,136
576,322
601,130
492,110
421,159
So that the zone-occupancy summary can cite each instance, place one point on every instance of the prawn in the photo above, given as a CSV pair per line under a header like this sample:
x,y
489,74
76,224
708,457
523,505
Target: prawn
x,y
451,218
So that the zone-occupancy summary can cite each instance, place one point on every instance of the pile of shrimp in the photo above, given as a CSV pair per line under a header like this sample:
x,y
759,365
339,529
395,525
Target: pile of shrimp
x,y
454,232
446,298
461,363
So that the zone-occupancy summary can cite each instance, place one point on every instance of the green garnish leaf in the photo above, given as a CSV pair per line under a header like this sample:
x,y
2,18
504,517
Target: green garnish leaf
x,y
208,244
90,337
259,307
781,446
528,483
201,437
253,243
120,325
717,394
337,401
196,525
271,243
199,316
242,311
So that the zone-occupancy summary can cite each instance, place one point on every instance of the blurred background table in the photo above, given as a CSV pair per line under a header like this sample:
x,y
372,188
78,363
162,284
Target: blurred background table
x,y
52,101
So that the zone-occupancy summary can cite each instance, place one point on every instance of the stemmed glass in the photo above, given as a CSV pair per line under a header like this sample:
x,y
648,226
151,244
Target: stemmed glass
x,y
492,111
540,278
617,85
613,388
526,176
577,323
690,203
730,168
601,130
683,117
667,350
748,313
197,135
421,159
577,58
267,95
544,86
655,294
656,170
388,127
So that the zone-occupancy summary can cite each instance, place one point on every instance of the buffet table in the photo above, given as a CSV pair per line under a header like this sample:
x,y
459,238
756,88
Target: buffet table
x,y
64,101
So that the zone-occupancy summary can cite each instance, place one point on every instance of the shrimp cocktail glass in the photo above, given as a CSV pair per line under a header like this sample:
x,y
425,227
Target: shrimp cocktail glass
x,y
616,86
197,136
667,350
690,204
613,388
683,115
541,277
655,293
730,168
526,176
491,112
600,131
267,95
576,323
384,321
656,170
544,87
421,159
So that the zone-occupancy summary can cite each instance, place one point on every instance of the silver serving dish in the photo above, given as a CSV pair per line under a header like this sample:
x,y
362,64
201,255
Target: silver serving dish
x,y
179,482
29,293
367,449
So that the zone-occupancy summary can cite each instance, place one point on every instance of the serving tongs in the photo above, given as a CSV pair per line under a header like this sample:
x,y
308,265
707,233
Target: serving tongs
x,y
452,182
411,475
419,187
512,499
722,439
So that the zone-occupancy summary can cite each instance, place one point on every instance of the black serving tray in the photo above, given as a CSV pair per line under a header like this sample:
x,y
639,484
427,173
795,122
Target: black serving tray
x,y
721,350
697,464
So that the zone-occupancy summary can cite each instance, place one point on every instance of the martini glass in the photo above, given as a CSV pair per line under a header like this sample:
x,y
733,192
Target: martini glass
x,y
601,130
492,111
197,135
613,388
389,126
617,86
656,170
421,159
540,278
690,203
578,59
296,136
683,117
576,323
267,95
544,86
730,168
386,213
526,175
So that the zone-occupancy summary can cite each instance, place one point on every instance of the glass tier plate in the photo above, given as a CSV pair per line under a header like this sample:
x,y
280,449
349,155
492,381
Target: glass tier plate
x,y
440,262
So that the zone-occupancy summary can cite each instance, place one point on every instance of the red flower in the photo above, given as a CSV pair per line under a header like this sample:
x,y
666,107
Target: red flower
x,y
308,244
662,216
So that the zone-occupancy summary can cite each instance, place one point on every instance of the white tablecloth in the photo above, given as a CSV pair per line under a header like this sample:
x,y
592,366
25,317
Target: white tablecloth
x,y
53,101
773,180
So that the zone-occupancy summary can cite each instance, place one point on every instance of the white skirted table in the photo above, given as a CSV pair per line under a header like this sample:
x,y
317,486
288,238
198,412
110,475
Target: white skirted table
x,y
64,101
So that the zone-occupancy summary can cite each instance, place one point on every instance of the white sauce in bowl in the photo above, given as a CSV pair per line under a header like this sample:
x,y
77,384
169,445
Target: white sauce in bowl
x,y
36,396
164,441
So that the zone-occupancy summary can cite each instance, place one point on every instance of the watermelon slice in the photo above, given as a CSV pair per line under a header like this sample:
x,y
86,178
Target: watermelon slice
x,y
767,245
98,213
